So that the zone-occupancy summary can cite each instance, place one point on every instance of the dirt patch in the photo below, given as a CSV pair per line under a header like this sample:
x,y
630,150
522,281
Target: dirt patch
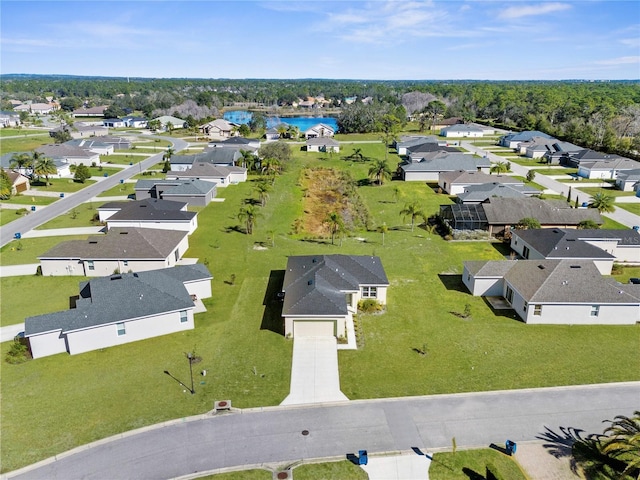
x,y
540,464
325,191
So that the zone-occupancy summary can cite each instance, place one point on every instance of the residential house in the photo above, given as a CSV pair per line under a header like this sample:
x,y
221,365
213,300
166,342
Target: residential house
x,y
135,122
90,111
220,175
239,143
627,179
558,151
169,120
114,123
536,147
37,108
561,292
474,194
415,153
92,145
119,250
321,292
272,134
154,213
319,130
500,215
119,143
82,130
322,144
575,158
219,128
216,156
512,140
406,141
607,169
122,308
462,130
19,182
69,154
603,246
428,169
447,122
455,183
192,191
9,119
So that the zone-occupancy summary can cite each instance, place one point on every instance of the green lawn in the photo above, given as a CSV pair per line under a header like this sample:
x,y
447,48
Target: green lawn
x,y
613,192
487,351
472,464
11,132
100,171
343,470
28,200
81,216
556,171
241,475
24,144
631,207
150,175
118,190
27,250
9,215
66,185
121,159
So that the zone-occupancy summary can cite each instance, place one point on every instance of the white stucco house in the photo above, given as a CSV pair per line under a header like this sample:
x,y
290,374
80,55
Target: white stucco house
x,y
322,144
219,175
319,130
321,292
154,213
561,292
123,308
69,154
462,130
608,169
429,167
119,250
455,183
627,180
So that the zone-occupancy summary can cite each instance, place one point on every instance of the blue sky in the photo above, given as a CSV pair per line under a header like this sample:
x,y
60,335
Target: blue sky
x,y
377,40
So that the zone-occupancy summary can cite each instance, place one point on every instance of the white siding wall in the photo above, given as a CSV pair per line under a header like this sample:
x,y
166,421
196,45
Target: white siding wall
x,y
237,177
630,254
581,315
517,245
200,288
178,226
140,329
485,286
421,176
103,268
104,215
47,344
62,267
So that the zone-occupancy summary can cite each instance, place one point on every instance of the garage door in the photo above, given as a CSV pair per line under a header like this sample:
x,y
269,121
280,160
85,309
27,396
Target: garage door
x,y
313,329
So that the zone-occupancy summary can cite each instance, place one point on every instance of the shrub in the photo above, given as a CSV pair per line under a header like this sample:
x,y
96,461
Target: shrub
x,y
369,305
18,353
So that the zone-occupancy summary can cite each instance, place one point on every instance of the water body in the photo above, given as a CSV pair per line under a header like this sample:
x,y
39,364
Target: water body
x,y
303,123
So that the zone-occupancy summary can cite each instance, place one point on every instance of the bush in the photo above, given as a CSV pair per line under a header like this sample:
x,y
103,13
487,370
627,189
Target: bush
x,y
369,306
18,353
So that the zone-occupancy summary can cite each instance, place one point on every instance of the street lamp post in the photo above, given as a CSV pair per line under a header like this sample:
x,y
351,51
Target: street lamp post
x,y
190,357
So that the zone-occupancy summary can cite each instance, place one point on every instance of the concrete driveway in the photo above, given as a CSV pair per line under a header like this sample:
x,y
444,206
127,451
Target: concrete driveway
x,y
314,372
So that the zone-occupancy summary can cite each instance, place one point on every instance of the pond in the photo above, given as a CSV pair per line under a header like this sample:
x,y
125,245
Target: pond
x,y
303,123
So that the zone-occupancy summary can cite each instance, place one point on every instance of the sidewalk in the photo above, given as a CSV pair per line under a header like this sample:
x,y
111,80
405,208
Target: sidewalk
x,y
58,232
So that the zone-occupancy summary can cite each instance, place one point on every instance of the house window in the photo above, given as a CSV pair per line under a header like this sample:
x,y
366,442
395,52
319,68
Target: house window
x,y
183,316
537,310
121,329
509,295
595,310
369,292
91,265
125,263
176,254
525,306
525,252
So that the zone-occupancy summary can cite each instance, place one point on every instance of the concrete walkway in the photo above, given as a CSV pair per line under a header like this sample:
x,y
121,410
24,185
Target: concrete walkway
x,y
314,372
58,232
398,467
19,270
9,332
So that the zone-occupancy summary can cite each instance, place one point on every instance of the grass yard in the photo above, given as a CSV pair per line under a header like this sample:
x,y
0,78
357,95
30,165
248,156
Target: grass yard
x,y
23,144
66,185
9,215
29,200
12,132
83,214
100,171
248,359
472,464
343,470
255,474
26,250
149,175
630,207
122,189
121,159
556,171
613,192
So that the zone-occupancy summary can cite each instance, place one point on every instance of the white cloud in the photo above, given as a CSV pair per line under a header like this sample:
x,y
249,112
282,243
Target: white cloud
x,y
620,61
520,11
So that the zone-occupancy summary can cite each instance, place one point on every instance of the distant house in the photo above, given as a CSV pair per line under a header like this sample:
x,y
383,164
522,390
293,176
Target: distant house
x,y
561,292
153,213
119,143
559,150
237,143
135,122
92,145
405,142
627,179
455,183
9,119
512,140
219,175
575,158
272,134
447,122
69,154
428,169
122,308
219,128
602,246
216,156
418,152
536,147
462,130
90,111
321,292
37,108
607,169
322,144
193,191
169,120
82,130
500,215
474,194
319,130
114,122
120,249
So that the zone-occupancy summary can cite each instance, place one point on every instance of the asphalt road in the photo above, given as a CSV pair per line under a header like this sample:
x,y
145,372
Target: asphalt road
x,y
274,435
43,215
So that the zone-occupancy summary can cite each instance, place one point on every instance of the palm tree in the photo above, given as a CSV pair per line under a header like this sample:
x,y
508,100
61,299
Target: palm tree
x,y
499,167
334,220
21,162
270,166
380,171
168,154
383,229
622,441
263,188
248,158
603,202
396,193
412,210
282,129
44,166
249,215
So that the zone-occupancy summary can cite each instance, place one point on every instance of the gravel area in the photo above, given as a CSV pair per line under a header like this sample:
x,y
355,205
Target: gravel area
x,y
540,464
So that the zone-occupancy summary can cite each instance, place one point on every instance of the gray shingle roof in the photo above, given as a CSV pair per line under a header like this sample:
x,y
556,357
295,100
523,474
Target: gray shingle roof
x,y
108,300
481,268
509,211
315,284
568,281
428,147
629,175
562,243
151,210
323,141
446,163
120,244
191,186
204,170
61,150
222,156
475,177
482,192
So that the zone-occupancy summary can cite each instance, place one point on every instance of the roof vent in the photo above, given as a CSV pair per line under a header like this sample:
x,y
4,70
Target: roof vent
x,y
93,241
541,267
310,282
575,266
116,277
124,233
314,260
143,206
